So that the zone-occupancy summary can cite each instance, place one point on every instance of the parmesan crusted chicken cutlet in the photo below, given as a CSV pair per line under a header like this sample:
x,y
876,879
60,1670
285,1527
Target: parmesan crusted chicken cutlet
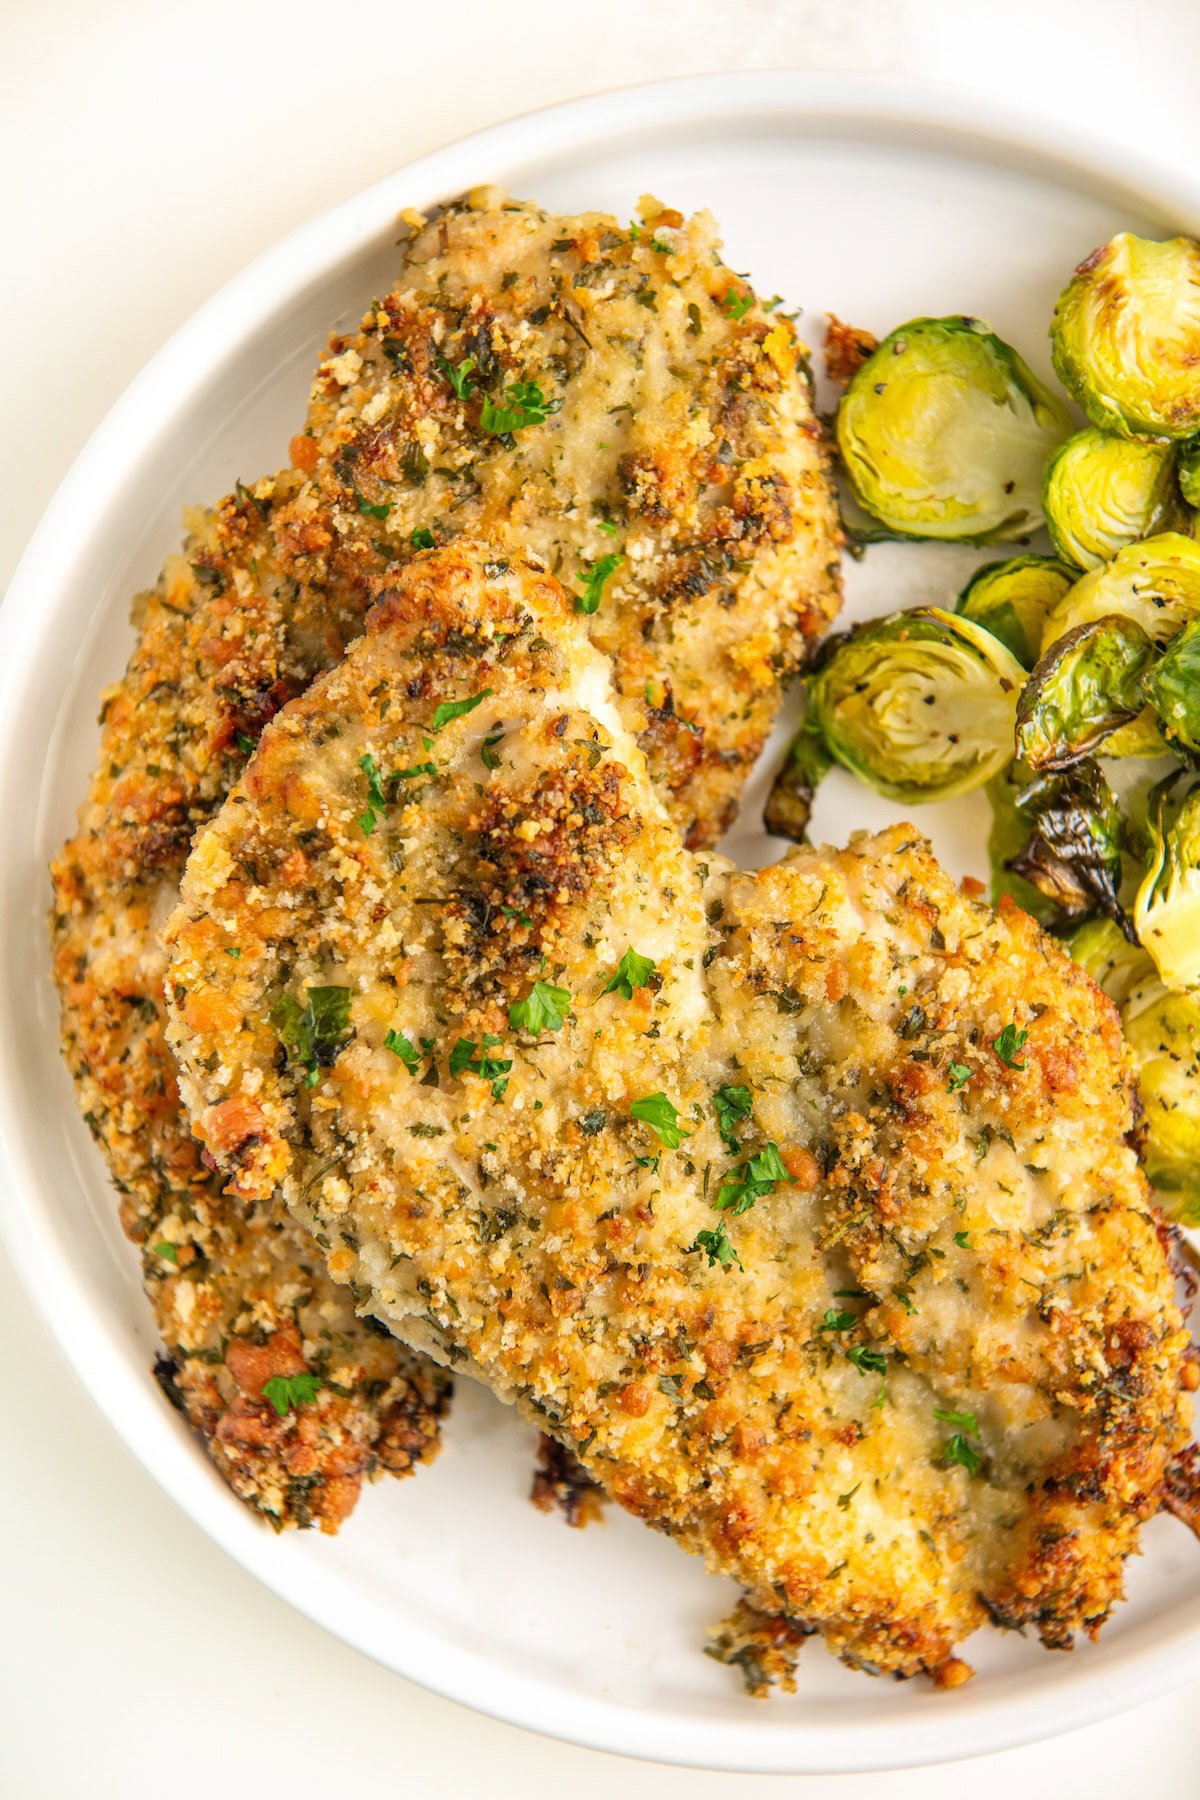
x,y
618,394
798,1205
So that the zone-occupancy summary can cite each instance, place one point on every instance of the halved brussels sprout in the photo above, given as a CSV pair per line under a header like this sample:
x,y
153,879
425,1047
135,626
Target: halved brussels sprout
x,y
1163,1029
1013,599
1126,336
1086,685
1173,688
921,704
1072,854
1114,964
944,433
1103,492
1166,913
1007,838
1156,583
789,803
1189,473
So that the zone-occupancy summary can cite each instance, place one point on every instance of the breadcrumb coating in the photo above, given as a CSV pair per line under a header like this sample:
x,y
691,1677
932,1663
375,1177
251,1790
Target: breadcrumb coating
x,y
811,1228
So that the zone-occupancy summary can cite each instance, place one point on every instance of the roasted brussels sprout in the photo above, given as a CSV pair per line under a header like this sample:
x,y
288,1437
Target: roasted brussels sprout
x,y
789,803
1173,688
944,433
1166,913
1103,492
920,704
1126,336
1013,599
1112,961
1163,1029
1072,854
1156,583
1086,685
1188,473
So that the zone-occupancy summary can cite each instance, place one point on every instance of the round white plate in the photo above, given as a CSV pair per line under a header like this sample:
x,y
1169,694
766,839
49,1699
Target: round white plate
x,y
873,200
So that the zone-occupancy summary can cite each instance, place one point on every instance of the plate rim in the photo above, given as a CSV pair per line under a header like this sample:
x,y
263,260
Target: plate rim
x,y
938,114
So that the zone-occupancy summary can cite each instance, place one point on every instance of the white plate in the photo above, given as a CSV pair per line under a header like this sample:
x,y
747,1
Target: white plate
x,y
873,200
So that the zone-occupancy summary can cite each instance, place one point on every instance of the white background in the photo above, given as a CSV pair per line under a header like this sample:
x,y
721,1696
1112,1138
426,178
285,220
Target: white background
x,y
147,150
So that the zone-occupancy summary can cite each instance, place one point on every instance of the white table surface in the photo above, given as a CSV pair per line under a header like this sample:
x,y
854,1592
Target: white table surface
x,y
148,149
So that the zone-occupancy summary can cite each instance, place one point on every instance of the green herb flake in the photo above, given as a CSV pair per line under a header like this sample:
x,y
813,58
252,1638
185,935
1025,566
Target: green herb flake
x,y
633,971
460,377
544,1008
313,1034
838,1321
737,305
475,1058
961,1239
288,1392
957,1077
371,509
457,709
717,1247
730,1105
662,1117
866,1360
958,1450
963,1421
751,1181
1008,1047
421,538
170,1251
487,750
233,950
527,405
245,744
404,1048
594,575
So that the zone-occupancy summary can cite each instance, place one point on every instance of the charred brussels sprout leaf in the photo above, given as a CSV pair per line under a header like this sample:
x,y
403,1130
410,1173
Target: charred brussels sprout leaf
x,y
1173,688
1166,912
1013,600
1007,838
1103,492
944,433
1155,583
1126,336
1113,962
789,803
920,704
1163,1029
1086,685
1072,856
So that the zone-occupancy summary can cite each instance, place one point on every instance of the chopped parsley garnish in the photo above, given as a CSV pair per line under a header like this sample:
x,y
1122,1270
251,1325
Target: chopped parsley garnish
x,y
422,538
377,800
961,1239
413,771
731,1104
487,750
965,1421
232,950
245,744
527,405
633,971
288,1391
544,1008
460,377
404,1048
1008,1046
456,709
845,1499
369,508
717,1247
737,305
838,1321
959,1450
958,1075
866,1360
474,1058
594,575
662,1116
753,1179
608,527
170,1251
313,1034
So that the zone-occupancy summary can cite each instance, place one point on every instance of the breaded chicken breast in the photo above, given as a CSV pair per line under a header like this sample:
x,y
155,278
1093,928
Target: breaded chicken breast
x,y
662,440
799,1205
239,1297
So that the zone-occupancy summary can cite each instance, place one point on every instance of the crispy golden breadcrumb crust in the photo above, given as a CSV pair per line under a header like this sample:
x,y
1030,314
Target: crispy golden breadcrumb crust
x,y
819,1242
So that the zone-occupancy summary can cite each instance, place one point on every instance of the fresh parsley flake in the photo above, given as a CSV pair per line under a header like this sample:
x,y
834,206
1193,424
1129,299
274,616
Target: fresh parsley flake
x,y
377,808
413,771
594,575
404,1048
731,1104
487,750
527,405
958,1075
170,1251
633,971
245,744
965,1421
460,377
753,1179
961,1239
313,1034
233,950
866,1360
371,509
456,709
959,1450
421,538
544,1008
838,1321
608,527
717,1247
737,305
286,1392
662,1116
474,1058
1008,1046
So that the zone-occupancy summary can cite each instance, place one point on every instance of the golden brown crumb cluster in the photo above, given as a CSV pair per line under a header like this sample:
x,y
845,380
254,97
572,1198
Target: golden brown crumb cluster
x,y
798,1206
